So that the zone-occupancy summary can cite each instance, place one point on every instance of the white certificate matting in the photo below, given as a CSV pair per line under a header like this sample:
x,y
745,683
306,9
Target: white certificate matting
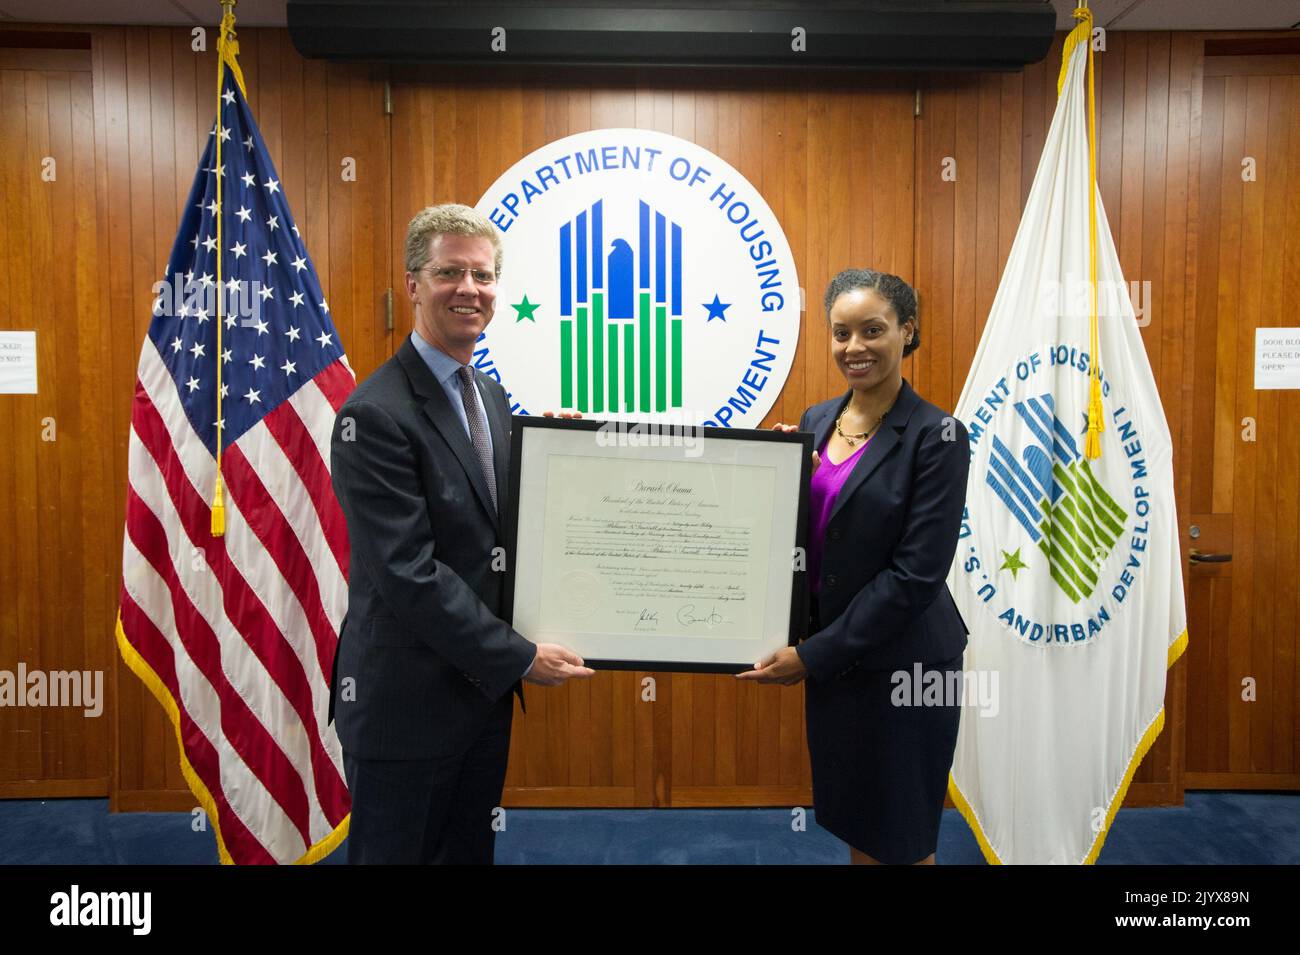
x,y
667,554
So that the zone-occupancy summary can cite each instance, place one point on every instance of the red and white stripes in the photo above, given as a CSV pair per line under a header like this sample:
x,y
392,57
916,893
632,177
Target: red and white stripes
x,y
241,630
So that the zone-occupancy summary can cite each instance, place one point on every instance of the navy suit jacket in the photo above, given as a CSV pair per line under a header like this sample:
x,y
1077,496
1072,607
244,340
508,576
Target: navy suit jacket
x,y
884,603
428,655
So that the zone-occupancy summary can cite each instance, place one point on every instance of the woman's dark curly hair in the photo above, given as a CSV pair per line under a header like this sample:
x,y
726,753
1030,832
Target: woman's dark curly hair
x,y
899,295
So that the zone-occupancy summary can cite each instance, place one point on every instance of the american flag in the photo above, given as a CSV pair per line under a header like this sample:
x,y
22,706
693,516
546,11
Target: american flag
x,y
235,635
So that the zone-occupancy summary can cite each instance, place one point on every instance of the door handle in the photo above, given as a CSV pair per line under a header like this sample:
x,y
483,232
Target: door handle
x,y
1201,558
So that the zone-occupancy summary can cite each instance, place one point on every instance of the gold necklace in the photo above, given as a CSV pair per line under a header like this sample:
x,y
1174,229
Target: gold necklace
x,y
853,439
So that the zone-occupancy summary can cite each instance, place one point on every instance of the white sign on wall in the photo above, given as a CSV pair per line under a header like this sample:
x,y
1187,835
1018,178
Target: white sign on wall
x,y
1277,358
644,279
17,363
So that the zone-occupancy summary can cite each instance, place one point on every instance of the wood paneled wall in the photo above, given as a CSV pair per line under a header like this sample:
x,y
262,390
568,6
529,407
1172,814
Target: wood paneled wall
x,y
1245,476
854,177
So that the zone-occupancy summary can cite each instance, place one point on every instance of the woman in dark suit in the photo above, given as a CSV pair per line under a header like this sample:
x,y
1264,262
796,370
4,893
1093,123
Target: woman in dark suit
x,y
888,489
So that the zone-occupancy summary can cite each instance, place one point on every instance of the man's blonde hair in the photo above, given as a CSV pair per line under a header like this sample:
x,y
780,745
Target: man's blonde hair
x,y
447,219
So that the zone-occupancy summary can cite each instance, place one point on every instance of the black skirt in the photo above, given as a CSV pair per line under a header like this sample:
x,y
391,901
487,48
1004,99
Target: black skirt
x,y
880,770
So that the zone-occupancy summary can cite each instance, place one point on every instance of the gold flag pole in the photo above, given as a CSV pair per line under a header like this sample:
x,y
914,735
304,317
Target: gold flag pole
x,y
227,57
1096,413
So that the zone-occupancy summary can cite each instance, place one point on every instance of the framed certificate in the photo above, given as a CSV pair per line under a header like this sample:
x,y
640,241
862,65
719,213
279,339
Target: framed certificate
x,y
657,547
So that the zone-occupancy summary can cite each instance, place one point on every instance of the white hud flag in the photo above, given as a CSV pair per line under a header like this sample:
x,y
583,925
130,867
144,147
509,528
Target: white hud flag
x,y
1068,570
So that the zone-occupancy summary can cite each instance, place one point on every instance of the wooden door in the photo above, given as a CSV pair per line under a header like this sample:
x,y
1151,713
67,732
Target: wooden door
x,y
57,582
1245,482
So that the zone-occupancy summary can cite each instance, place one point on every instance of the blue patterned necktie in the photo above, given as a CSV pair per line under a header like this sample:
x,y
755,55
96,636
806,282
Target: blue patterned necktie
x,y
477,432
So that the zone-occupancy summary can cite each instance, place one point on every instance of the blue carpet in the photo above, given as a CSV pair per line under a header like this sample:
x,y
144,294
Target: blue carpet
x,y
1212,828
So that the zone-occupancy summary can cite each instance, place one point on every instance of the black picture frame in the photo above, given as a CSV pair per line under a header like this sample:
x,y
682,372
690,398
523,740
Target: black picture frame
x,y
798,624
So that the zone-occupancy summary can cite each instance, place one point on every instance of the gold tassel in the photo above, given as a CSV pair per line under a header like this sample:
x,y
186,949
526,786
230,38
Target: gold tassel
x,y
219,510
1096,422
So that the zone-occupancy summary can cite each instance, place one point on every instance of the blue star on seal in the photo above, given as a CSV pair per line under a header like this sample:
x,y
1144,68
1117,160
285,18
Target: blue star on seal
x,y
717,308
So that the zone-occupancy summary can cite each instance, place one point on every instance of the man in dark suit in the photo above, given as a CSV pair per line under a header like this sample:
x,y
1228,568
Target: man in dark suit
x,y
425,668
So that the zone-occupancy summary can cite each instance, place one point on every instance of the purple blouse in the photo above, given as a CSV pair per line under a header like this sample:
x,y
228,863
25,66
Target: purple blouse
x,y
825,488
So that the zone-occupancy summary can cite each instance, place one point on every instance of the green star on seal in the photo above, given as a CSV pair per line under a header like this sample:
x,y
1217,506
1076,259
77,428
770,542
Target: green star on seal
x,y
525,310
1013,563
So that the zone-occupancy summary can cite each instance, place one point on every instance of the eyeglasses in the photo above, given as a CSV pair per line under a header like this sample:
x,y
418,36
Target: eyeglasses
x,y
451,275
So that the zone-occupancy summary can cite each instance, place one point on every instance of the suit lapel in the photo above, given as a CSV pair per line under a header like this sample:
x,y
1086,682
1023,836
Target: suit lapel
x,y
880,445
821,427
446,421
